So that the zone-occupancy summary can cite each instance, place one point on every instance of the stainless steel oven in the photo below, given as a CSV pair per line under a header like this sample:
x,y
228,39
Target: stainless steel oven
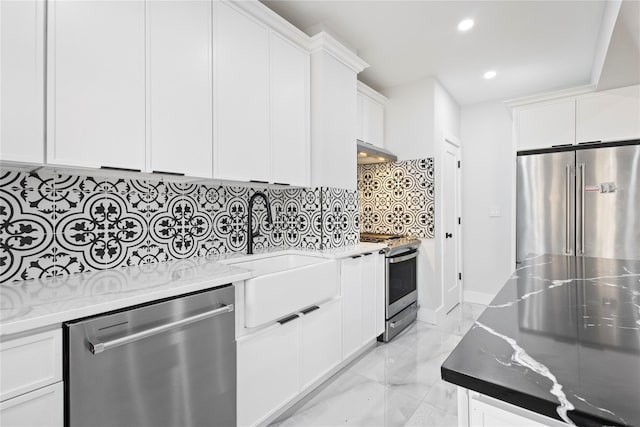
x,y
401,286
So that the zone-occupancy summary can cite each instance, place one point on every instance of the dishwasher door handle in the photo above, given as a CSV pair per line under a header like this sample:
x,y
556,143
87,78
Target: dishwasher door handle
x,y
98,347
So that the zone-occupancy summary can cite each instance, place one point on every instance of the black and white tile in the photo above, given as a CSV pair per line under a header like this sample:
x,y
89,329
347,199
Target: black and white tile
x,y
54,224
397,198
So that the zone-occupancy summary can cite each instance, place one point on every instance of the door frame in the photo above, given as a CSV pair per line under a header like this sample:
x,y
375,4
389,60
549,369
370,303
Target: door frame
x,y
455,142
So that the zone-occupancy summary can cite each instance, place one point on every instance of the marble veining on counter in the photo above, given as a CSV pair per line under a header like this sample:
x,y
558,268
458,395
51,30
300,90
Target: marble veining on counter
x,y
562,338
45,302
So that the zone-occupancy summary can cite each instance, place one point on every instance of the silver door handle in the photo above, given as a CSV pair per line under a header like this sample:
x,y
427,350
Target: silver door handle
x,y
567,201
582,187
97,347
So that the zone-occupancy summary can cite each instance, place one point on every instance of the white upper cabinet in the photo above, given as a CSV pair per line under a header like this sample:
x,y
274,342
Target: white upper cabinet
x,y
611,115
241,150
333,113
180,87
96,83
22,81
289,113
370,120
546,124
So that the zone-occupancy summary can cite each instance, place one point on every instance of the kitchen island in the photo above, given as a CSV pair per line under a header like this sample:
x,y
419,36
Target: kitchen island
x,y
560,343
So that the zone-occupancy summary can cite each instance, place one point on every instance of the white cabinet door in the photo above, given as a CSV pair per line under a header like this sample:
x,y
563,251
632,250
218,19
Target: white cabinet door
x,y
96,83
333,123
372,121
381,280
22,80
612,115
42,407
360,132
351,281
241,142
267,371
321,345
375,124
368,298
482,414
180,82
289,113
546,124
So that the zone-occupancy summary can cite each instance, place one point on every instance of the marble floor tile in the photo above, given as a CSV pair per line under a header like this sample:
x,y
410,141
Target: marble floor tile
x,y
356,401
427,415
393,384
443,395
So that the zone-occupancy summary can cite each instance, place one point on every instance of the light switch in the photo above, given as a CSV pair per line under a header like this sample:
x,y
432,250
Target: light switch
x,y
494,212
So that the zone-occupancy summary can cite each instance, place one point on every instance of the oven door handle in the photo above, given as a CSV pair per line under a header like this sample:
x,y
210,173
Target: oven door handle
x,y
395,260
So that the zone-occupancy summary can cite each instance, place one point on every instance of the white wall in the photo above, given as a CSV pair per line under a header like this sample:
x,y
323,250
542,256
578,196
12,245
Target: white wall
x,y
409,120
417,117
488,179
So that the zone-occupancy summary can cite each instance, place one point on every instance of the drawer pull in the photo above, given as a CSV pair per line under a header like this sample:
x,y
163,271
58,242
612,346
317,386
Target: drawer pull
x,y
169,173
356,256
310,309
288,319
113,168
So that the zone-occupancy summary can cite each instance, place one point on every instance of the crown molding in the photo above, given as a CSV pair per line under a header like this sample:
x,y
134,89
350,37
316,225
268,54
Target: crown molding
x,y
372,93
324,42
275,22
549,96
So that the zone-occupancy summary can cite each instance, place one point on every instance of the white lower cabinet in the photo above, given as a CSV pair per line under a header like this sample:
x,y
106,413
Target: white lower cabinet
x,y
362,283
321,338
484,411
267,371
42,407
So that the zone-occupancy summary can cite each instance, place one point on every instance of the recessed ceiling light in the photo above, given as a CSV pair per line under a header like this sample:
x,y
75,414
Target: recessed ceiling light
x,y
489,74
465,24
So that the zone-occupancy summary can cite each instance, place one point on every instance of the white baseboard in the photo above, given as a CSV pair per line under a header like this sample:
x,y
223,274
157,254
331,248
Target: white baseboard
x,y
477,297
427,315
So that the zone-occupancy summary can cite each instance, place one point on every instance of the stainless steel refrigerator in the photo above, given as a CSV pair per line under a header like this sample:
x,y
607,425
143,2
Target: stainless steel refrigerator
x,y
579,200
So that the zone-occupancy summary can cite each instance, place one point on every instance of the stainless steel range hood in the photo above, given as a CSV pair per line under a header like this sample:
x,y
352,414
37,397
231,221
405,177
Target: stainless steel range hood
x,y
369,153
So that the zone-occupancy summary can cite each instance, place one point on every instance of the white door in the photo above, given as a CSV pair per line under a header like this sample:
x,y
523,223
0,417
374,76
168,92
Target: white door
x,y
451,213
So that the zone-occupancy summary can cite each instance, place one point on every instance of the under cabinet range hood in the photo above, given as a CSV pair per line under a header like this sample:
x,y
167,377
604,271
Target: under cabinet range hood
x,y
369,153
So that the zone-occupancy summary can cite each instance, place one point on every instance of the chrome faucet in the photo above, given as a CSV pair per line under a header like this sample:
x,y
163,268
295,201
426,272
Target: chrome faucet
x,y
250,233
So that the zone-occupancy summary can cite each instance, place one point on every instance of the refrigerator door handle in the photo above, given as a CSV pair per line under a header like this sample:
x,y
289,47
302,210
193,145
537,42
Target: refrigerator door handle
x,y
567,202
582,179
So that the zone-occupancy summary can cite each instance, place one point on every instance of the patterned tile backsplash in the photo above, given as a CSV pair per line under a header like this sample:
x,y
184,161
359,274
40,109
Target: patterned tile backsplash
x,y
53,224
397,198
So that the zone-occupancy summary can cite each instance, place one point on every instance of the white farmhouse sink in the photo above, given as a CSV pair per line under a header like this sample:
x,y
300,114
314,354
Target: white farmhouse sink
x,y
285,284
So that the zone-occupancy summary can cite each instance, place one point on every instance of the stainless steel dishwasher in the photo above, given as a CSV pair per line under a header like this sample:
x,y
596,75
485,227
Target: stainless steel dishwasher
x,y
168,363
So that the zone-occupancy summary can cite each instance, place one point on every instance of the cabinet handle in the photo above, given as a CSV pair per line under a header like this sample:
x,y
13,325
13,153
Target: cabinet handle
x,y
366,254
356,256
281,183
590,142
310,309
288,319
258,181
169,173
113,168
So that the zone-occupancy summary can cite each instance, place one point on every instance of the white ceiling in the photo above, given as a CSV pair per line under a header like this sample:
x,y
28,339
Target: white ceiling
x,y
535,46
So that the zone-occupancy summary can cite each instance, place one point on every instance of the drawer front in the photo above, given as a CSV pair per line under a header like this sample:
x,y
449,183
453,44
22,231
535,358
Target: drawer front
x,y
29,363
43,407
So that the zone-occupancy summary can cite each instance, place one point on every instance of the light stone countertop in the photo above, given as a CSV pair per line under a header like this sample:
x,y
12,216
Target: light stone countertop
x,y
34,304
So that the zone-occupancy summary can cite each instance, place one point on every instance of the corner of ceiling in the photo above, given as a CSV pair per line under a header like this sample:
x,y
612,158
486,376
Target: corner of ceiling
x,y
607,26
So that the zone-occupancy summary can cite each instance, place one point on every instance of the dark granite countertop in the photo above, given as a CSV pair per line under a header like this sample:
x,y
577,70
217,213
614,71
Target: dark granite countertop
x,y
562,338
